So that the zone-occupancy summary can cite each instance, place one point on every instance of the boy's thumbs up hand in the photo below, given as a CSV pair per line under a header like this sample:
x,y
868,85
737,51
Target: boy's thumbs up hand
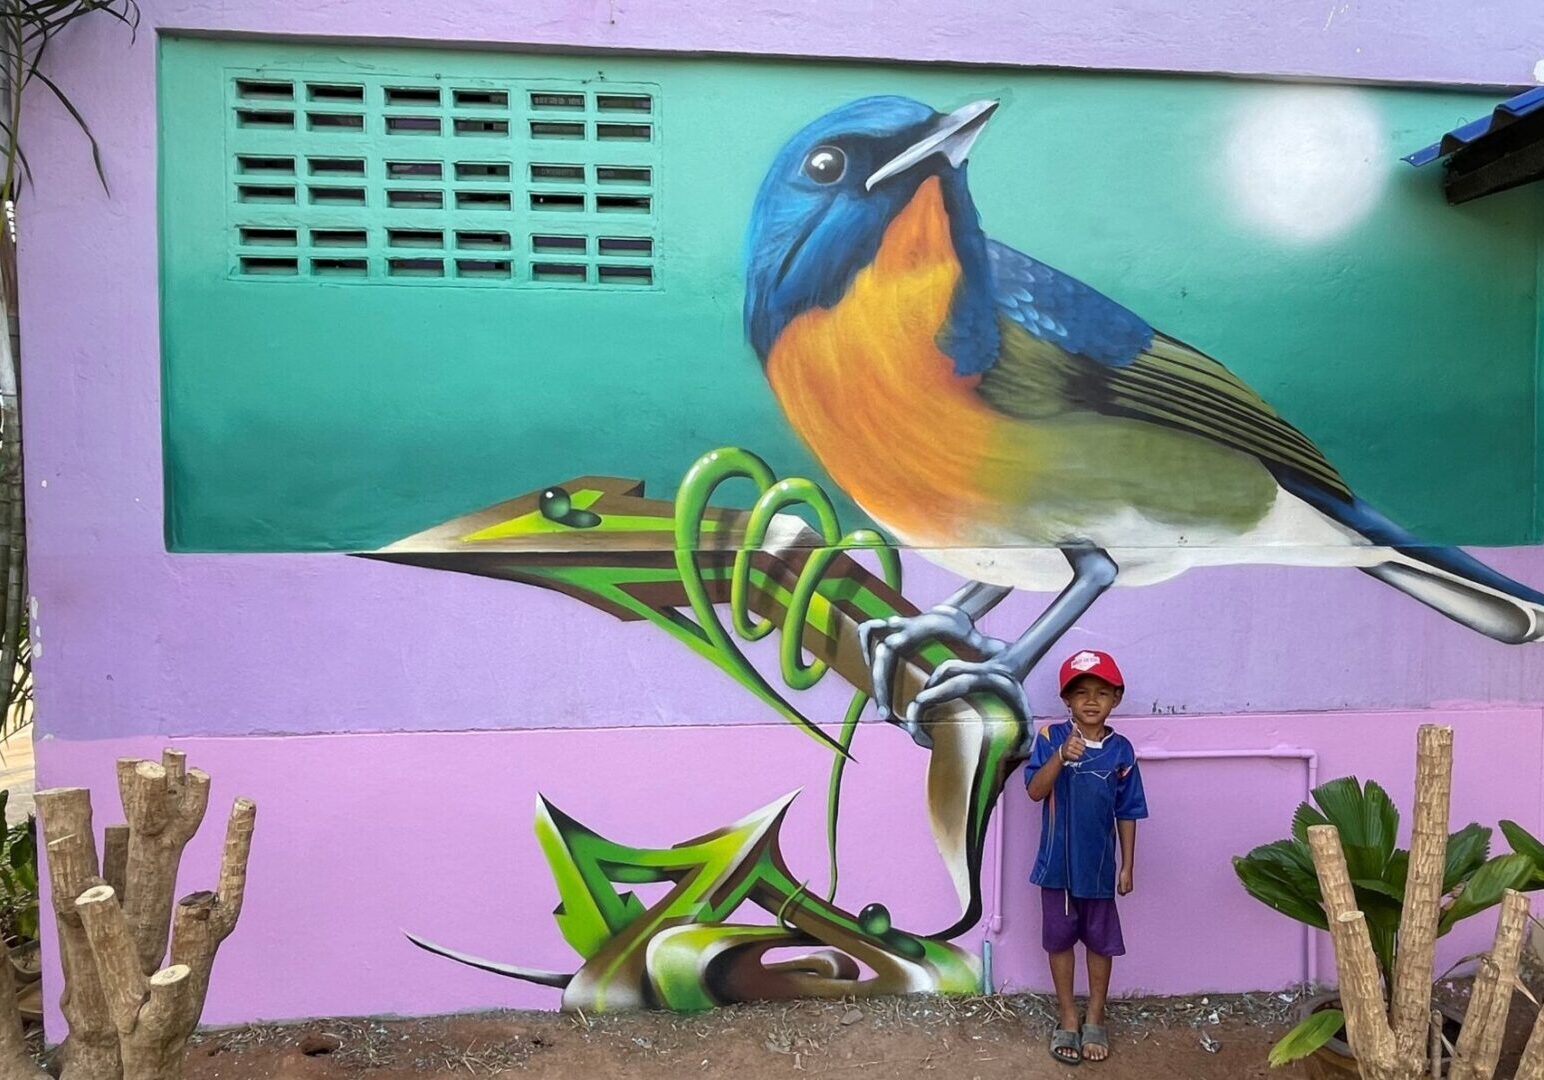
x,y
1073,748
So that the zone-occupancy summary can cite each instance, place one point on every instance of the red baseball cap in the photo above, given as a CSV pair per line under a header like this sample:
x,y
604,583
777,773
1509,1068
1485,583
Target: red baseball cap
x,y
1101,665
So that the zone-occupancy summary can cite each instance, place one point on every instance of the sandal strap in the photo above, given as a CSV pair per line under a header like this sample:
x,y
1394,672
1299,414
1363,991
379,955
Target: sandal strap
x,y
1096,1034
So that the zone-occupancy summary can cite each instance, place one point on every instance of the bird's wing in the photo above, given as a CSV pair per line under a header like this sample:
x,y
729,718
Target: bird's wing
x,y
1067,347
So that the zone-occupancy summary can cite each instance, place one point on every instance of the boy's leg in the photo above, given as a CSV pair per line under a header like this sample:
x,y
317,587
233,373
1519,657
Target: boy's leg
x,y
1101,934
1098,990
1063,968
1058,935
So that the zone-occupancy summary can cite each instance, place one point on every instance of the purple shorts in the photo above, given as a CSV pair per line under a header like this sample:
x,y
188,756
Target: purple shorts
x,y
1067,920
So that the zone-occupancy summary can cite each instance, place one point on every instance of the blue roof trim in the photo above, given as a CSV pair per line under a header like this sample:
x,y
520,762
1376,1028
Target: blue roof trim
x,y
1513,108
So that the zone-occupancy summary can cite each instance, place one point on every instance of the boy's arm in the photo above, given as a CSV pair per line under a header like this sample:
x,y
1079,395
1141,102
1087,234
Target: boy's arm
x,y
1127,830
1044,780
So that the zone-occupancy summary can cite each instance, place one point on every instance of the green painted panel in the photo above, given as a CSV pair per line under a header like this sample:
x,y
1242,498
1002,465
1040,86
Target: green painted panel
x,y
317,397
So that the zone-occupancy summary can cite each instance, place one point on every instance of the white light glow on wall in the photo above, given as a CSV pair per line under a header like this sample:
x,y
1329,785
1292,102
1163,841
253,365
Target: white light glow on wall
x,y
1304,164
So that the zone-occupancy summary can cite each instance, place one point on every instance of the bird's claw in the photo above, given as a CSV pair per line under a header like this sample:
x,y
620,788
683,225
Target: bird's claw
x,y
885,642
955,679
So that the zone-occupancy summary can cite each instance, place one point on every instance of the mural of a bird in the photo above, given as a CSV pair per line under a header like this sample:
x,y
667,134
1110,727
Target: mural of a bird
x,y
1021,429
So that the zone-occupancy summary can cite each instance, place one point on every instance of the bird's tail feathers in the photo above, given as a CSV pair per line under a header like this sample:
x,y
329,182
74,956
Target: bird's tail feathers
x,y
1465,590
1446,579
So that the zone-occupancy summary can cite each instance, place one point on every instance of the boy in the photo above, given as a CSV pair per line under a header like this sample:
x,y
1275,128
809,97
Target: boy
x,y
1087,777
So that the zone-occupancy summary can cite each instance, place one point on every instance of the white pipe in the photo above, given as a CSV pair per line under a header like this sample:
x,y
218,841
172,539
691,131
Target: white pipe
x,y
1154,753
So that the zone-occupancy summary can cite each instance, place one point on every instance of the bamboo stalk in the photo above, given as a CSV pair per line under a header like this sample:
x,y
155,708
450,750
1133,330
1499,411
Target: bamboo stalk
x,y
90,1051
1479,1045
1413,972
14,538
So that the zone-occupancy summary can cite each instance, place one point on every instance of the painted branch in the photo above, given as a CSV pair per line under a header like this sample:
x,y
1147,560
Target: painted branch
x,y
165,805
204,919
153,1016
1479,1046
15,1062
115,857
1411,992
90,1052
1361,991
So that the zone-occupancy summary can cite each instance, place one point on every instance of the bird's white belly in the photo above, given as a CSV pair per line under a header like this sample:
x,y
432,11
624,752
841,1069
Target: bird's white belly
x,y
1146,551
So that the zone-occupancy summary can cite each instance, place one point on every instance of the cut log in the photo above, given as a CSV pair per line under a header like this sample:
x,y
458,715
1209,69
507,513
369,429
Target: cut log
x,y
204,919
153,1016
1479,1045
115,857
164,805
1411,993
1361,990
1329,861
90,1052
15,1062
1531,1067
1436,1045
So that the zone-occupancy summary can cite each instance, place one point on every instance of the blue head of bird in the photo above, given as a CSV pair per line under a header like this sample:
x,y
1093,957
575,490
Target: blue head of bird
x,y
832,191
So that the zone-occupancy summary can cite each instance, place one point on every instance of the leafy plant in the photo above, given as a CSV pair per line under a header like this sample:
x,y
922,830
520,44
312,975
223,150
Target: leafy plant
x,y
1281,875
27,27
18,880
1316,1030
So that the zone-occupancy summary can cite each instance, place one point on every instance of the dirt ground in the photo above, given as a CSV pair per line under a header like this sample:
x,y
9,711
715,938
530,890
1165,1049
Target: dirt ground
x,y
984,1038
1215,1037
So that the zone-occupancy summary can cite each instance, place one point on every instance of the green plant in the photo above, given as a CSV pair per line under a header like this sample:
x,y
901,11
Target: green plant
x,y
1527,845
18,880
1281,875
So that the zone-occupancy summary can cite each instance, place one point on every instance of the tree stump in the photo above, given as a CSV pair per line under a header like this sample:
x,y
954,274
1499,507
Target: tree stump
x,y
90,1051
1479,1045
1531,1067
15,1062
165,805
154,1016
204,919
1395,1041
128,1018
1420,913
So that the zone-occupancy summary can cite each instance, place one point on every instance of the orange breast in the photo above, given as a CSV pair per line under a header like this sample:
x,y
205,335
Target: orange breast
x,y
867,388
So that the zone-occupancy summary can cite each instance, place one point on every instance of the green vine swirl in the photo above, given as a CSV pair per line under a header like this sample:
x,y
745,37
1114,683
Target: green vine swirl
x,y
773,497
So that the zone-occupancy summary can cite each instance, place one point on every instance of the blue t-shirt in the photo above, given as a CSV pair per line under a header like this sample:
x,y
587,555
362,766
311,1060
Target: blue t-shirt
x,y
1077,820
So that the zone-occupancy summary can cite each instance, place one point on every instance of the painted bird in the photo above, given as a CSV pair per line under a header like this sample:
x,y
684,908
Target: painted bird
x,y
1018,427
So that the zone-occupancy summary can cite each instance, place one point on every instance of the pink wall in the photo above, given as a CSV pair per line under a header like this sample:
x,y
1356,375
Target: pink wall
x,y
362,836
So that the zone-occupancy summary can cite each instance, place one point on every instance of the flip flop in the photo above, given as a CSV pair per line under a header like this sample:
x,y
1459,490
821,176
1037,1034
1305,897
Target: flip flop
x,y
1095,1035
1062,1039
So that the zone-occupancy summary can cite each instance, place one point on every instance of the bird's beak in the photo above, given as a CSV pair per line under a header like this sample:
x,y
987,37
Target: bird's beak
x,y
952,136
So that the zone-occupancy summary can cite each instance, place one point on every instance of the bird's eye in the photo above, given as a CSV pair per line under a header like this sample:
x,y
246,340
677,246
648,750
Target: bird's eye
x,y
825,165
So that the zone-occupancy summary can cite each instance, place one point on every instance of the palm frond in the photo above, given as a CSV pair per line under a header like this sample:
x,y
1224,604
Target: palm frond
x,y
80,121
26,29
